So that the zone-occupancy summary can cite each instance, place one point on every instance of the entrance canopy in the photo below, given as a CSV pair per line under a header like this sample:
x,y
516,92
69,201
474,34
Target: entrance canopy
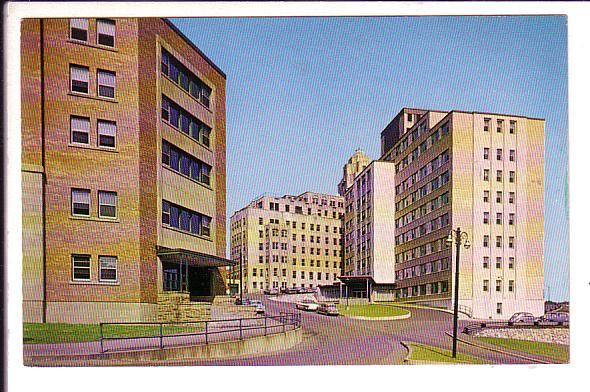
x,y
350,280
191,258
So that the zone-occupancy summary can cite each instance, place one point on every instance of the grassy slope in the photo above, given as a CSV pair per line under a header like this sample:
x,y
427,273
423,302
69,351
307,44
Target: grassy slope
x,y
61,333
371,310
422,352
559,352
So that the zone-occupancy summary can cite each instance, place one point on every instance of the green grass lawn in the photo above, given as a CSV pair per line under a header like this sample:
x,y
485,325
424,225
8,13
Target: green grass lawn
x,y
67,333
558,352
371,310
422,352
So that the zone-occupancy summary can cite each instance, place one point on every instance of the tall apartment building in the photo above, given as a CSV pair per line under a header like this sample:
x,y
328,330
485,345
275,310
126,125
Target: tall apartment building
x,y
369,252
288,241
356,164
484,173
123,168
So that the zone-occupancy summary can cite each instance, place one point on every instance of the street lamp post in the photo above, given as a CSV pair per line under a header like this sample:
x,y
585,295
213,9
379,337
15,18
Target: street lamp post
x,y
241,280
460,238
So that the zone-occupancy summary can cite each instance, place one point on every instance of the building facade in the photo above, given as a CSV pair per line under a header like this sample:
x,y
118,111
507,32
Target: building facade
x,y
356,164
288,241
369,254
481,172
123,168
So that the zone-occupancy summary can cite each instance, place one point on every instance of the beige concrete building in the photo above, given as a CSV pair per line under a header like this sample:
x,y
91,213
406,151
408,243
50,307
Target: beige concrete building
x,y
369,254
484,173
288,241
123,168
356,164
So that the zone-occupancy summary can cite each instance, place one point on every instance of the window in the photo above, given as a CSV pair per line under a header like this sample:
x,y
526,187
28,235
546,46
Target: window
x,y
81,267
105,32
511,218
79,77
511,262
187,220
186,164
185,122
486,196
499,175
486,124
165,213
512,127
498,241
409,116
498,285
79,130
486,218
107,204
512,176
499,197
499,308
108,269
511,286
180,75
81,202
106,83
486,262
512,155
486,174
499,218
511,242
499,126
486,153
498,262
486,241
511,197
79,29
107,133
499,154
486,285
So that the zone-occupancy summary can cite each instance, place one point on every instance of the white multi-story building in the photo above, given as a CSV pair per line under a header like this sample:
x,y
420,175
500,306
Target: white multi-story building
x,y
288,241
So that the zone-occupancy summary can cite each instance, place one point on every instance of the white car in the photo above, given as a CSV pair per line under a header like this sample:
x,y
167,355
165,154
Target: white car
x,y
307,304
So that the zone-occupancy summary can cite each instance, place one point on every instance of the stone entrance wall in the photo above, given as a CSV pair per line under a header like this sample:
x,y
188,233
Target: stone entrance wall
x,y
176,306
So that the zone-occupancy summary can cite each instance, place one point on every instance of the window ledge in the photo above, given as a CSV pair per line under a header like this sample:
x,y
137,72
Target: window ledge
x,y
187,177
94,283
91,45
186,92
208,148
95,97
187,233
94,219
95,148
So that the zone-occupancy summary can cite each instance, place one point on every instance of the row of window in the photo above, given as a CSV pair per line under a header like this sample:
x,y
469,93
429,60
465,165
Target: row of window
x,y
423,210
310,274
423,269
107,203
184,163
421,251
105,31
499,197
499,125
182,120
82,268
437,134
486,262
80,81
80,132
299,210
423,172
294,249
423,191
424,229
312,263
423,289
486,285
499,175
499,157
499,218
184,78
184,219
486,241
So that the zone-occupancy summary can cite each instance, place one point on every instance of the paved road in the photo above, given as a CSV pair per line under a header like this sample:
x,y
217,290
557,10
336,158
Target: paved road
x,y
342,340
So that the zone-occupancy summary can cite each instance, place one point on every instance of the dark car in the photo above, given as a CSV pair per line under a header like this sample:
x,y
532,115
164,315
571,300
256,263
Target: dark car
x,y
556,316
242,301
328,309
271,292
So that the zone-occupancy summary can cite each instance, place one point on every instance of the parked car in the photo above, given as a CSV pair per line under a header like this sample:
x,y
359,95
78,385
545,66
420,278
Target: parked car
x,y
260,308
328,309
307,290
522,317
556,316
244,301
307,304
271,292
292,290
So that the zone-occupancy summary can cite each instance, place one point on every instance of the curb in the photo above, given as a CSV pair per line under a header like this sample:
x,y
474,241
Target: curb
x,y
410,361
494,349
388,318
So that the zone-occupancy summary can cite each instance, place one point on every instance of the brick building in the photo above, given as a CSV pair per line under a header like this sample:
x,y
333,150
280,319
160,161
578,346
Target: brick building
x,y
123,169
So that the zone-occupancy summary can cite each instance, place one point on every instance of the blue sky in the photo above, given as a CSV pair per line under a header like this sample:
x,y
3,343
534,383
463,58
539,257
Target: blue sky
x,y
304,93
